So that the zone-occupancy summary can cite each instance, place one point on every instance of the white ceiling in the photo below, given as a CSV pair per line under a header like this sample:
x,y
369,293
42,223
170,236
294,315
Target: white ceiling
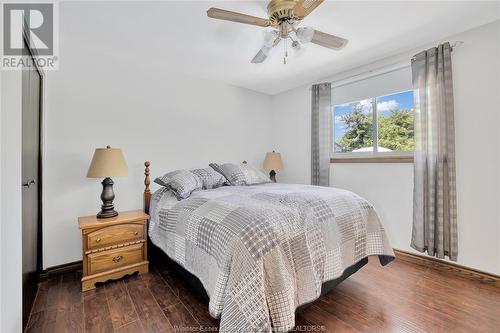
x,y
177,36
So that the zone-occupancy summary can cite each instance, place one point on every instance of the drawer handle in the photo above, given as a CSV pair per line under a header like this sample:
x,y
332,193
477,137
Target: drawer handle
x,y
98,240
117,258
136,233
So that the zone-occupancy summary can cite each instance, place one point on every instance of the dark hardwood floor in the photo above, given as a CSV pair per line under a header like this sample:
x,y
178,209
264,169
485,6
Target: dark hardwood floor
x,y
401,297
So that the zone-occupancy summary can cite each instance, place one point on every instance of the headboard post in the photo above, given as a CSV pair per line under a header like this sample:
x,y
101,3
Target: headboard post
x,y
147,192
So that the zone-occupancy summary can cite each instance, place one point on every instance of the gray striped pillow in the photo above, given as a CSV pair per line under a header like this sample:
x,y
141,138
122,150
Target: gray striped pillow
x,y
181,182
240,174
210,178
184,182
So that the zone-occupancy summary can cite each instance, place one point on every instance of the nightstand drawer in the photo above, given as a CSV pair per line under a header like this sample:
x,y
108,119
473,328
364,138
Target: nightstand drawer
x,y
115,235
111,259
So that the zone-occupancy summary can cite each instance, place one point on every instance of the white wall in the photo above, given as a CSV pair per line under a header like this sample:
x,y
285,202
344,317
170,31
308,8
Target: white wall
x,y
10,202
1,252
175,121
476,69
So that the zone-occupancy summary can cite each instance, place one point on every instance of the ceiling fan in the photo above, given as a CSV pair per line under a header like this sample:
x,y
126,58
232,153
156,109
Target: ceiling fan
x,y
284,17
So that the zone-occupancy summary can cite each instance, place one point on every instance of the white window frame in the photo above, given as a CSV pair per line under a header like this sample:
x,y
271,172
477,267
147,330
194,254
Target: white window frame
x,y
375,155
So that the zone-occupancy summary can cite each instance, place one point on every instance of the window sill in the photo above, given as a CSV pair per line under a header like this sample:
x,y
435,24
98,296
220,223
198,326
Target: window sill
x,y
373,159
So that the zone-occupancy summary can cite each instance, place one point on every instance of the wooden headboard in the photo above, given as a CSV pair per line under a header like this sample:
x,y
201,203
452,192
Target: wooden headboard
x,y
147,191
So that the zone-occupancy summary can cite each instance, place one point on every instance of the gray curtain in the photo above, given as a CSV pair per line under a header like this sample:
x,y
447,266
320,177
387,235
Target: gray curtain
x,y
434,201
321,134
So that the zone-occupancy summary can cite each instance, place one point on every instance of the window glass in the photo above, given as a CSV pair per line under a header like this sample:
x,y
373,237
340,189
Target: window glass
x,y
395,122
354,130
353,126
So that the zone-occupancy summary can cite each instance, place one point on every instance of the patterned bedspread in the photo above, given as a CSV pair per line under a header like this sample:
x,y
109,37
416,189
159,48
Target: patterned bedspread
x,y
261,251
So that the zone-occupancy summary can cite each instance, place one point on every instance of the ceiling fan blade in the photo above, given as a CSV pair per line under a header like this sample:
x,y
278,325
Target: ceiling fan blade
x,y
228,15
272,39
259,57
327,40
304,7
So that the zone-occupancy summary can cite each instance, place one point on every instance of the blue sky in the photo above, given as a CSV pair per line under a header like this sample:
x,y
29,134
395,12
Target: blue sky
x,y
385,104
402,100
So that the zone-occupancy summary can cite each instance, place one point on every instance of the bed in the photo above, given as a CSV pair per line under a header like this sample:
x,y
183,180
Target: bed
x,y
263,251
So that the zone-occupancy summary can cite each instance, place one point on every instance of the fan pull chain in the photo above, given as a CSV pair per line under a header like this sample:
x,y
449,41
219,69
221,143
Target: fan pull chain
x,y
286,51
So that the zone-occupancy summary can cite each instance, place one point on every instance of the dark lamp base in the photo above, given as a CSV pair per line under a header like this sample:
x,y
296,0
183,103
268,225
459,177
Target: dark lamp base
x,y
272,175
107,197
106,214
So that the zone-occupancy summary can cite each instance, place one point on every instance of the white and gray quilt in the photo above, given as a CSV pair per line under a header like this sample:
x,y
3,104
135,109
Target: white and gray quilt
x,y
261,251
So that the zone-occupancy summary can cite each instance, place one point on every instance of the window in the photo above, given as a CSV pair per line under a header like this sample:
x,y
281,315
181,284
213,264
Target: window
x,y
375,126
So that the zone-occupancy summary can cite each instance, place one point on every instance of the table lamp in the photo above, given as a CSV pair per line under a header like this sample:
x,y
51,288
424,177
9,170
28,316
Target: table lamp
x,y
273,163
107,162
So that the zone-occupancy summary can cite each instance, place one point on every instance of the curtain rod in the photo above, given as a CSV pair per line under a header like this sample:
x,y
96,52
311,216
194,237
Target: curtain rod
x,y
385,69
452,47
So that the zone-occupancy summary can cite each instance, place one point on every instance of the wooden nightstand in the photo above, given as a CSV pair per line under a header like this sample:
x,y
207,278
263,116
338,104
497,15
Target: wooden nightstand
x,y
113,247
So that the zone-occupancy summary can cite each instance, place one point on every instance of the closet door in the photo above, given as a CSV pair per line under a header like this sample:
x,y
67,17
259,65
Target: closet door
x,y
31,223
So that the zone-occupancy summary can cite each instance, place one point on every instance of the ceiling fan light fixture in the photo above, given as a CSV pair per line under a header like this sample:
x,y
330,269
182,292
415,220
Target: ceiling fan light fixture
x,y
305,35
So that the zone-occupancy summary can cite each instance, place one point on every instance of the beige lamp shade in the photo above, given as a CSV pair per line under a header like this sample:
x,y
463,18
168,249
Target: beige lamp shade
x,y
107,162
273,161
